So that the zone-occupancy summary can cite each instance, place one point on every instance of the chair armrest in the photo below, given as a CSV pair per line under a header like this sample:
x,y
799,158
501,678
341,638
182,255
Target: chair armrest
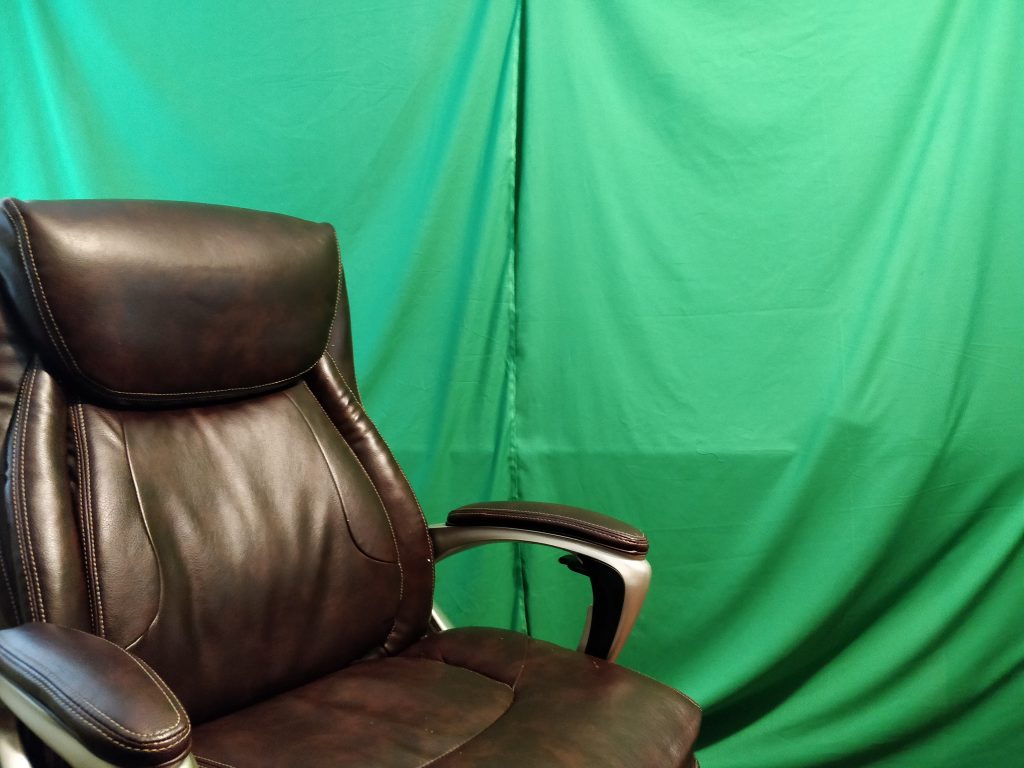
x,y
574,522
610,553
91,701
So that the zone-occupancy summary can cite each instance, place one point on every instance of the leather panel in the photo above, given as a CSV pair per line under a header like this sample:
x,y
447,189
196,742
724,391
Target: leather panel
x,y
467,697
13,362
40,541
332,390
388,713
339,347
570,710
261,584
574,522
117,707
146,301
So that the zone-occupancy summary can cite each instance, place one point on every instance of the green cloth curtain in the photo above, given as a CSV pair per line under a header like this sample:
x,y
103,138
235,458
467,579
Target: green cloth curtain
x,y
749,275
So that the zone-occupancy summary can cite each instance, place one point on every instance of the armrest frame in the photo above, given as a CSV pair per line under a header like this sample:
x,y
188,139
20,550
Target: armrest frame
x,y
619,581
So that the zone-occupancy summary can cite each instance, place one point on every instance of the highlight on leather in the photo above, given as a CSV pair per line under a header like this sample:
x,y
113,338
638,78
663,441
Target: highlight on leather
x,y
152,301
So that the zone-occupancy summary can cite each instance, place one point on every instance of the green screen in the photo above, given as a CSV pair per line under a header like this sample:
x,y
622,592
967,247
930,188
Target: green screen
x,y
748,275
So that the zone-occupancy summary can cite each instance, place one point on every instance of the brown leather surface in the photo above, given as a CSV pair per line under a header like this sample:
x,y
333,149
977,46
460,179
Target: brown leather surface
x,y
264,553
240,549
468,697
41,539
414,544
152,301
554,518
110,701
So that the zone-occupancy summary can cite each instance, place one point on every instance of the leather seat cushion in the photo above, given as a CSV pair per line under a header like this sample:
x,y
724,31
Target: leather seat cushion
x,y
466,697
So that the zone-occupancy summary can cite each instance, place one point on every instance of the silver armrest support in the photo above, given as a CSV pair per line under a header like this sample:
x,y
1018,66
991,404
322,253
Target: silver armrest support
x,y
619,581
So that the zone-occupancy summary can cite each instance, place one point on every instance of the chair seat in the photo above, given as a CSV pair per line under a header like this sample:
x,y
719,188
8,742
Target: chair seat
x,y
466,697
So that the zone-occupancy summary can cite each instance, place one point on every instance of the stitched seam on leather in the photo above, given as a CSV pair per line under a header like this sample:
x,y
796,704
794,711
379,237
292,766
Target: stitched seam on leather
x,y
337,488
70,360
444,662
383,506
83,518
90,513
77,711
38,608
426,528
16,494
526,650
28,661
166,692
211,761
434,761
567,523
149,536
30,270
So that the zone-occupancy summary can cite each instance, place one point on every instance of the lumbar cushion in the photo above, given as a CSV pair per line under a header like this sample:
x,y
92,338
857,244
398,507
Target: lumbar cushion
x,y
169,303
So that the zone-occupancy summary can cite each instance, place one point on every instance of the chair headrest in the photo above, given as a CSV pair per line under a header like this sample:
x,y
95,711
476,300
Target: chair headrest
x,y
149,302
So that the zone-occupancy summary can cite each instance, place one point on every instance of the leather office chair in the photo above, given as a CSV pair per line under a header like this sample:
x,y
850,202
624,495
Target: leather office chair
x,y
209,555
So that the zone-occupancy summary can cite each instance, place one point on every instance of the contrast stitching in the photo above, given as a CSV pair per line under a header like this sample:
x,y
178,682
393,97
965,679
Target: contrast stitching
x,y
90,513
83,520
337,487
383,506
166,692
35,297
75,709
157,395
568,523
16,495
426,528
27,531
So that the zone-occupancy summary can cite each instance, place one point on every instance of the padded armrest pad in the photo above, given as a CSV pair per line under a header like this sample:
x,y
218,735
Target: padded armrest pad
x,y
117,707
554,518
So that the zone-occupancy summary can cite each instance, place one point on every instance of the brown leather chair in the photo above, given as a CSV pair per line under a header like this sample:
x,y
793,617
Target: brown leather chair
x,y
209,555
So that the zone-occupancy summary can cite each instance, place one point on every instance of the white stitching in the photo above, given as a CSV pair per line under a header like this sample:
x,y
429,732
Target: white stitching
x,y
32,286
24,496
16,493
86,479
72,705
83,520
157,395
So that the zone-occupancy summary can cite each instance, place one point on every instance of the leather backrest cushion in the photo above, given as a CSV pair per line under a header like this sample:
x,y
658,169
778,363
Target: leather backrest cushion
x,y
152,302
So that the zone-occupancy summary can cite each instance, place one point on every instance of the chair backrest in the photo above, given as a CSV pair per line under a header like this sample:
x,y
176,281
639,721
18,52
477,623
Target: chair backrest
x,y
188,470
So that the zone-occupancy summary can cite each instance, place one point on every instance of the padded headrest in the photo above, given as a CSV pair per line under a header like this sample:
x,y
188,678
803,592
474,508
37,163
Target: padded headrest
x,y
166,303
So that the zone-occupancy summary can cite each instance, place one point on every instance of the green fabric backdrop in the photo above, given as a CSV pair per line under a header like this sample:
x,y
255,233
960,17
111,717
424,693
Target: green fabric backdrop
x,y
747,274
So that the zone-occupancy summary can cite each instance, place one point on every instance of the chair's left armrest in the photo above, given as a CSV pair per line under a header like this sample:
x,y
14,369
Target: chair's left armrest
x,y
611,553
91,701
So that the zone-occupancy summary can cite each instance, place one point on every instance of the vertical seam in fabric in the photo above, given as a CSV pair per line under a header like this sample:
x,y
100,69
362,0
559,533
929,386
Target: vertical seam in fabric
x,y
512,380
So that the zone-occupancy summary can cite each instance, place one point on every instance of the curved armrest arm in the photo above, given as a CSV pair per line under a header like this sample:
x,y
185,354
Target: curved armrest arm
x,y
611,553
91,701
574,522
